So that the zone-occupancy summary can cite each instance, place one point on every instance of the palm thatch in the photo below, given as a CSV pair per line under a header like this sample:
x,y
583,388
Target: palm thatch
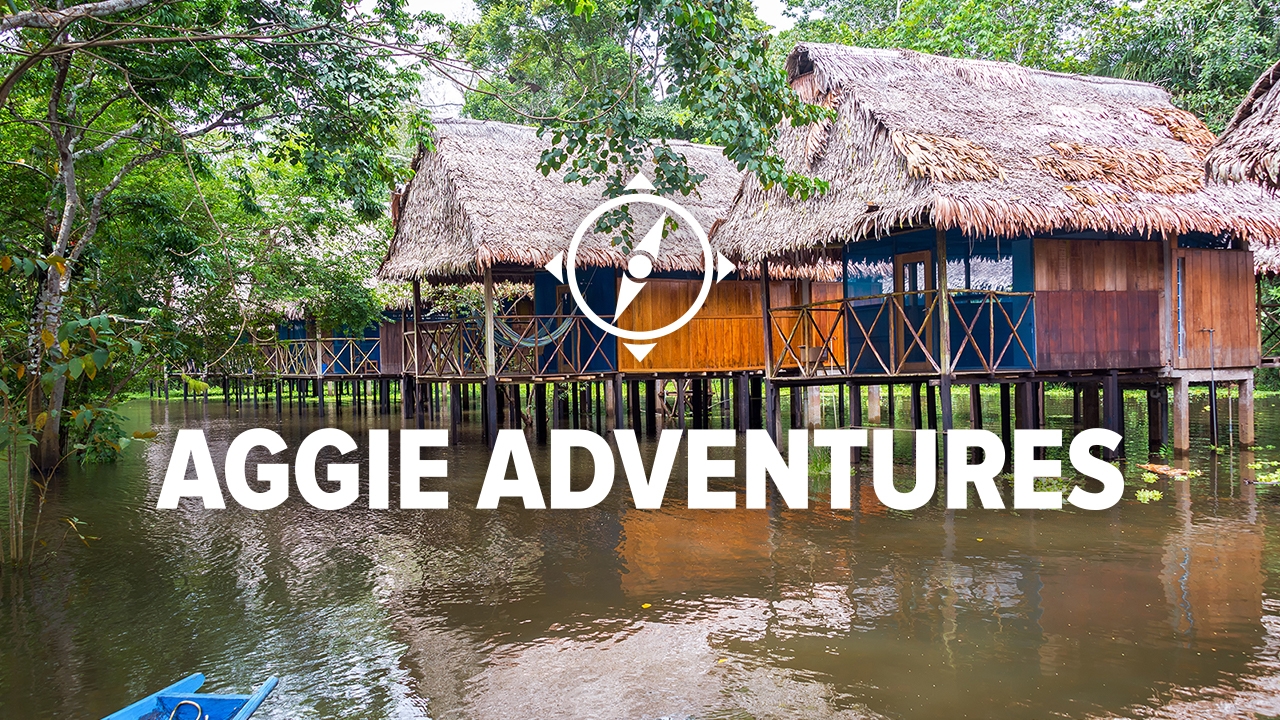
x,y
1266,261
1249,149
993,149
478,201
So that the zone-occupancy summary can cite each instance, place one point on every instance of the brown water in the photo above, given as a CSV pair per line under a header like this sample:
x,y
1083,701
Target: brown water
x,y
1164,608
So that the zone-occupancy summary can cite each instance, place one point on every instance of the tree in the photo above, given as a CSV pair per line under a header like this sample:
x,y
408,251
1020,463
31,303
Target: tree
x,y
94,93
603,78
1205,52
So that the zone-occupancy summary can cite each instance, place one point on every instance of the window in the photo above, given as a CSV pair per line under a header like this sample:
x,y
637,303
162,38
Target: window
x,y
1182,307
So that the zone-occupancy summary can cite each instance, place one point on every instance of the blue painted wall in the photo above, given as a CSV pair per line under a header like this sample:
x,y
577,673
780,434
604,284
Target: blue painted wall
x,y
992,264
599,289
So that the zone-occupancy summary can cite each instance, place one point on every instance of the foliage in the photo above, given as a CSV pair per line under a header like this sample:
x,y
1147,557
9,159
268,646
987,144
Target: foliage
x,y
459,301
163,149
1205,52
603,78
96,356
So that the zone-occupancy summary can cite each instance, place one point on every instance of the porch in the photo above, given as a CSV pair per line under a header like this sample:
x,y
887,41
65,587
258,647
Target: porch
x,y
897,334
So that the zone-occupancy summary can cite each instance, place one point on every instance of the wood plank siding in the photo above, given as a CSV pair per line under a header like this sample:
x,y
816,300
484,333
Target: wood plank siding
x,y
1220,294
1097,304
726,336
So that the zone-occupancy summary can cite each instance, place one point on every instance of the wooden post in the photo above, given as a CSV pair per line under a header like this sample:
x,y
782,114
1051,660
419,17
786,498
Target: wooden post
x,y
615,402
697,394
944,334
540,413
1090,406
855,415
1024,410
917,421
892,406
756,401
873,404
1113,412
742,403
1246,411
633,404
975,406
651,408
680,403
1181,415
490,363
455,412
1006,422
931,404
771,418
1157,417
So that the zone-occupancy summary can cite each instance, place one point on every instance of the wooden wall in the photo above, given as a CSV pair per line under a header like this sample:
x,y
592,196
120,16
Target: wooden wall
x,y
1220,294
1098,304
391,347
727,335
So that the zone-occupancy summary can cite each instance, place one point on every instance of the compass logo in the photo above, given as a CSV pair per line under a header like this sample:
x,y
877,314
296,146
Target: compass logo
x,y
640,264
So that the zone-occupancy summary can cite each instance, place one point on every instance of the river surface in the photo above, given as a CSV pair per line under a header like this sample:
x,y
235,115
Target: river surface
x,y
1169,608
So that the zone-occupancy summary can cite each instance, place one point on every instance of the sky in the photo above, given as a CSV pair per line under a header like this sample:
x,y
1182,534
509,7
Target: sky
x,y
447,99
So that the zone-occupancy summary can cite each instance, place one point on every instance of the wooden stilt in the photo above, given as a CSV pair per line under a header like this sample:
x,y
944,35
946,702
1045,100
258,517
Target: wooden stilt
x,y
741,403
975,406
756,402
931,404
651,408
873,404
1006,425
633,404
944,336
1090,405
892,402
1246,411
1113,412
855,415
1181,415
917,419
1157,417
616,402
455,413
680,403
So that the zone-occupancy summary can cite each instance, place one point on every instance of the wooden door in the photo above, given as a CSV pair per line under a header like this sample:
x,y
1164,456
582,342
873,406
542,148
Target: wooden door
x,y
913,283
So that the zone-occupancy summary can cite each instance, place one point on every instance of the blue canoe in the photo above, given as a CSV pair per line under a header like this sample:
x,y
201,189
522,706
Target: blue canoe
x,y
180,701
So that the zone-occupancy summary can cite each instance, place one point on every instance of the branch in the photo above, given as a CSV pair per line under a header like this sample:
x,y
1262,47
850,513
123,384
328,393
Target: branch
x,y
110,142
95,206
56,19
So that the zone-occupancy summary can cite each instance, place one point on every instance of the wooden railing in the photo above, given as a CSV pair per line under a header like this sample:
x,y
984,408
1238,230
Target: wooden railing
x,y
897,334
337,356
1269,329
524,346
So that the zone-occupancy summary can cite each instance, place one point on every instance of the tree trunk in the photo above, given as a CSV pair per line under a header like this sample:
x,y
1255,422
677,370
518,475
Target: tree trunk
x,y
47,453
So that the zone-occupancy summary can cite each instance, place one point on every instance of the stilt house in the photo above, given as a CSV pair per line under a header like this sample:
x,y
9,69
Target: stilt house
x,y
1002,224
478,209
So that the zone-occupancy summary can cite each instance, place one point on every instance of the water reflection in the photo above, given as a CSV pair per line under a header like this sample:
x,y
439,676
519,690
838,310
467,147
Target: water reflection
x,y
615,612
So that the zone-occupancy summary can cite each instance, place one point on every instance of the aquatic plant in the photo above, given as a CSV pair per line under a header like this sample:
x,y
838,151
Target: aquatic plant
x,y
1149,477
1146,495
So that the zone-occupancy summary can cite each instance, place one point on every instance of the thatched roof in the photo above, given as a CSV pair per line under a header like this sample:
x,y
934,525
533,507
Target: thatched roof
x,y
479,201
1266,260
993,149
1249,149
